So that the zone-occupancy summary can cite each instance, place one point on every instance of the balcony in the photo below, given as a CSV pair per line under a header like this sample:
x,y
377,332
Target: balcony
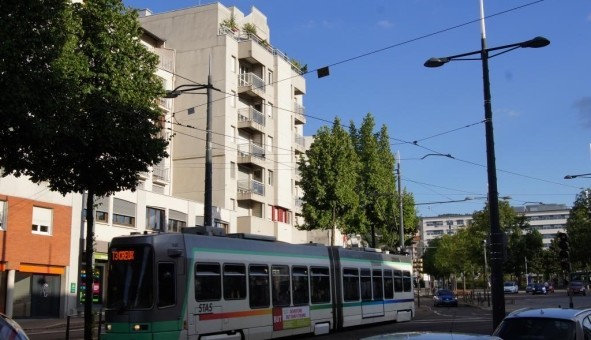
x,y
298,202
252,119
300,143
160,174
251,153
299,114
251,190
251,84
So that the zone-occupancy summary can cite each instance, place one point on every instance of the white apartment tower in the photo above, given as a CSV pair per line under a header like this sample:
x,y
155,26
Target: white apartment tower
x,y
257,116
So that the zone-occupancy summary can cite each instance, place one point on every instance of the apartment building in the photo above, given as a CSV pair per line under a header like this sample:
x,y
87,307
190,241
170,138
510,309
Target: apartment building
x,y
548,219
257,116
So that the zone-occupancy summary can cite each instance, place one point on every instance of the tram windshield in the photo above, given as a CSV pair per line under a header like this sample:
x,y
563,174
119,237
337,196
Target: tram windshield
x,y
131,277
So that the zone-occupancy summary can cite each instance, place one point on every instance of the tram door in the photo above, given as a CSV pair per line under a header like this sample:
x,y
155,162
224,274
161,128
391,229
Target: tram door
x,y
372,293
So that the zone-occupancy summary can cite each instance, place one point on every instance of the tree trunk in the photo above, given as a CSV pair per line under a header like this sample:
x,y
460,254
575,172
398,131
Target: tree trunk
x,y
88,281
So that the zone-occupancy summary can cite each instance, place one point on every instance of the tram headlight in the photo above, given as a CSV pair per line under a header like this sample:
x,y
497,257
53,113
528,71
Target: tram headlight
x,y
137,327
109,327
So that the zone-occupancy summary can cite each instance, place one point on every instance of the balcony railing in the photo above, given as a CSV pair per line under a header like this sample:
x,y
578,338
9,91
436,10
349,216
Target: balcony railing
x,y
300,140
161,173
251,186
251,114
241,36
299,109
251,79
298,202
251,149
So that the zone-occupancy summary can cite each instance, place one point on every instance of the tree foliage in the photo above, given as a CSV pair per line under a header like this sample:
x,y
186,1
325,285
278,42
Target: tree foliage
x,y
578,228
369,205
79,106
329,179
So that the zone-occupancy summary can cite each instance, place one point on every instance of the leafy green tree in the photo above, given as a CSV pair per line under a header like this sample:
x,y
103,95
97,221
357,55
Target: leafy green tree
x,y
81,113
329,179
578,228
376,186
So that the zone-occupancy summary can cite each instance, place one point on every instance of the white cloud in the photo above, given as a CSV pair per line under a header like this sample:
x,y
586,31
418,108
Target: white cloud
x,y
385,24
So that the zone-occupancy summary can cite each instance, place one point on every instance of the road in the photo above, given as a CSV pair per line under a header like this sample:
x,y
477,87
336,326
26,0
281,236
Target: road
x,y
465,318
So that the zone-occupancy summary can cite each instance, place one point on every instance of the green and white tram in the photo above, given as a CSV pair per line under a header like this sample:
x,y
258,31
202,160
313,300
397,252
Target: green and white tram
x,y
191,286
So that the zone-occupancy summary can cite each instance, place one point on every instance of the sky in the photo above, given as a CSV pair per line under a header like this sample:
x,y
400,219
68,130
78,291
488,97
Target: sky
x,y
375,49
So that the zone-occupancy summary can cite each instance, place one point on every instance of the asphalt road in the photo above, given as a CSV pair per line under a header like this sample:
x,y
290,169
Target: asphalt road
x,y
465,318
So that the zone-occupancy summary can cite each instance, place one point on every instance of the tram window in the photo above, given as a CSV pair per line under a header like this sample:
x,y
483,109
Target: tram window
x,y
378,285
234,282
388,284
258,286
299,279
407,281
207,282
166,284
351,284
398,281
320,284
365,285
280,287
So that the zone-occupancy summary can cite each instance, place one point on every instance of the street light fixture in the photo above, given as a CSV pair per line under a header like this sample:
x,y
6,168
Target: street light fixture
x,y
578,176
496,235
187,88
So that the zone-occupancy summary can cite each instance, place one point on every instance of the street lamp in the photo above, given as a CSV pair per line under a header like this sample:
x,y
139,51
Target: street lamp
x,y
188,88
577,176
496,234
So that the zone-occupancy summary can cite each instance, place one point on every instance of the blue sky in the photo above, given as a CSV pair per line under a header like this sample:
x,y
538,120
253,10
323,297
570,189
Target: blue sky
x,y
541,98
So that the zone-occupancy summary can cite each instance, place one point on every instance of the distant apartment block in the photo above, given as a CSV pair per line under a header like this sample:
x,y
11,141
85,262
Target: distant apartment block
x,y
548,219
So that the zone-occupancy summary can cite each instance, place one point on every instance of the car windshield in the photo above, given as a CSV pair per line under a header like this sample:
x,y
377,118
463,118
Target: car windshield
x,y
536,328
508,284
576,284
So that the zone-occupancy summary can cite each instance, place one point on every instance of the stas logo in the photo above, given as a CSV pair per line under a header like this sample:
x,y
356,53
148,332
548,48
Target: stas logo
x,y
123,255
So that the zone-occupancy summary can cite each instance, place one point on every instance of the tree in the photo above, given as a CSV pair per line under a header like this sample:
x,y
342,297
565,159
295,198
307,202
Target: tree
x,y
92,124
329,178
578,228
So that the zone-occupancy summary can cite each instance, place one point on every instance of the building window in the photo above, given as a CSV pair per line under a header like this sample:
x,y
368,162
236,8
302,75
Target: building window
x,y
3,206
233,99
269,144
123,220
102,216
232,170
155,218
42,220
280,215
270,77
270,177
175,226
222,225
233,64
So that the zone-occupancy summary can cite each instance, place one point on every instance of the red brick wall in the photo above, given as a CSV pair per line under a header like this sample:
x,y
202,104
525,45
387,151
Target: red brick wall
x,y
19,245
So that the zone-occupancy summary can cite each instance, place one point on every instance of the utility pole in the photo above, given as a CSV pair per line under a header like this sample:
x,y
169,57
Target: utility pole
x,y
399,175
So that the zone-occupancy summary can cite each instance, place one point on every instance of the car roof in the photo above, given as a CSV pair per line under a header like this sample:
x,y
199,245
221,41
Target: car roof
x,y
558,313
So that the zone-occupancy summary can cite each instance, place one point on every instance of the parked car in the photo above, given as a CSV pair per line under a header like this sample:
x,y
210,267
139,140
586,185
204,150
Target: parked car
x,y
576,287
431,336
445,297
511,287
10,329
545,323
538,288
529,287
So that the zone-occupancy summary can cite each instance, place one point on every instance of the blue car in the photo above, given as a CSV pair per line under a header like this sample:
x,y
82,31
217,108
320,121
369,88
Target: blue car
x,y
445,297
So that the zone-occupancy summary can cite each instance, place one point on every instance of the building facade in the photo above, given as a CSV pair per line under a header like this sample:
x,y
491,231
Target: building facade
x,y
258,116
548,219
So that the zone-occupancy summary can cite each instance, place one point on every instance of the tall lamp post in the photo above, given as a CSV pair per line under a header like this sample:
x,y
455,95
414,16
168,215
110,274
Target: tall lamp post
x,y
496,235
189,88
577,176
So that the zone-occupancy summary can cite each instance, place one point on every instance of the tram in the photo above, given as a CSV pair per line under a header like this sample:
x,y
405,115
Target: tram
x,y
240,286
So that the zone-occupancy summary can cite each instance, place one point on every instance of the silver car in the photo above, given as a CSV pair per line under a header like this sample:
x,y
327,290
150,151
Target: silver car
x,y
546,323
